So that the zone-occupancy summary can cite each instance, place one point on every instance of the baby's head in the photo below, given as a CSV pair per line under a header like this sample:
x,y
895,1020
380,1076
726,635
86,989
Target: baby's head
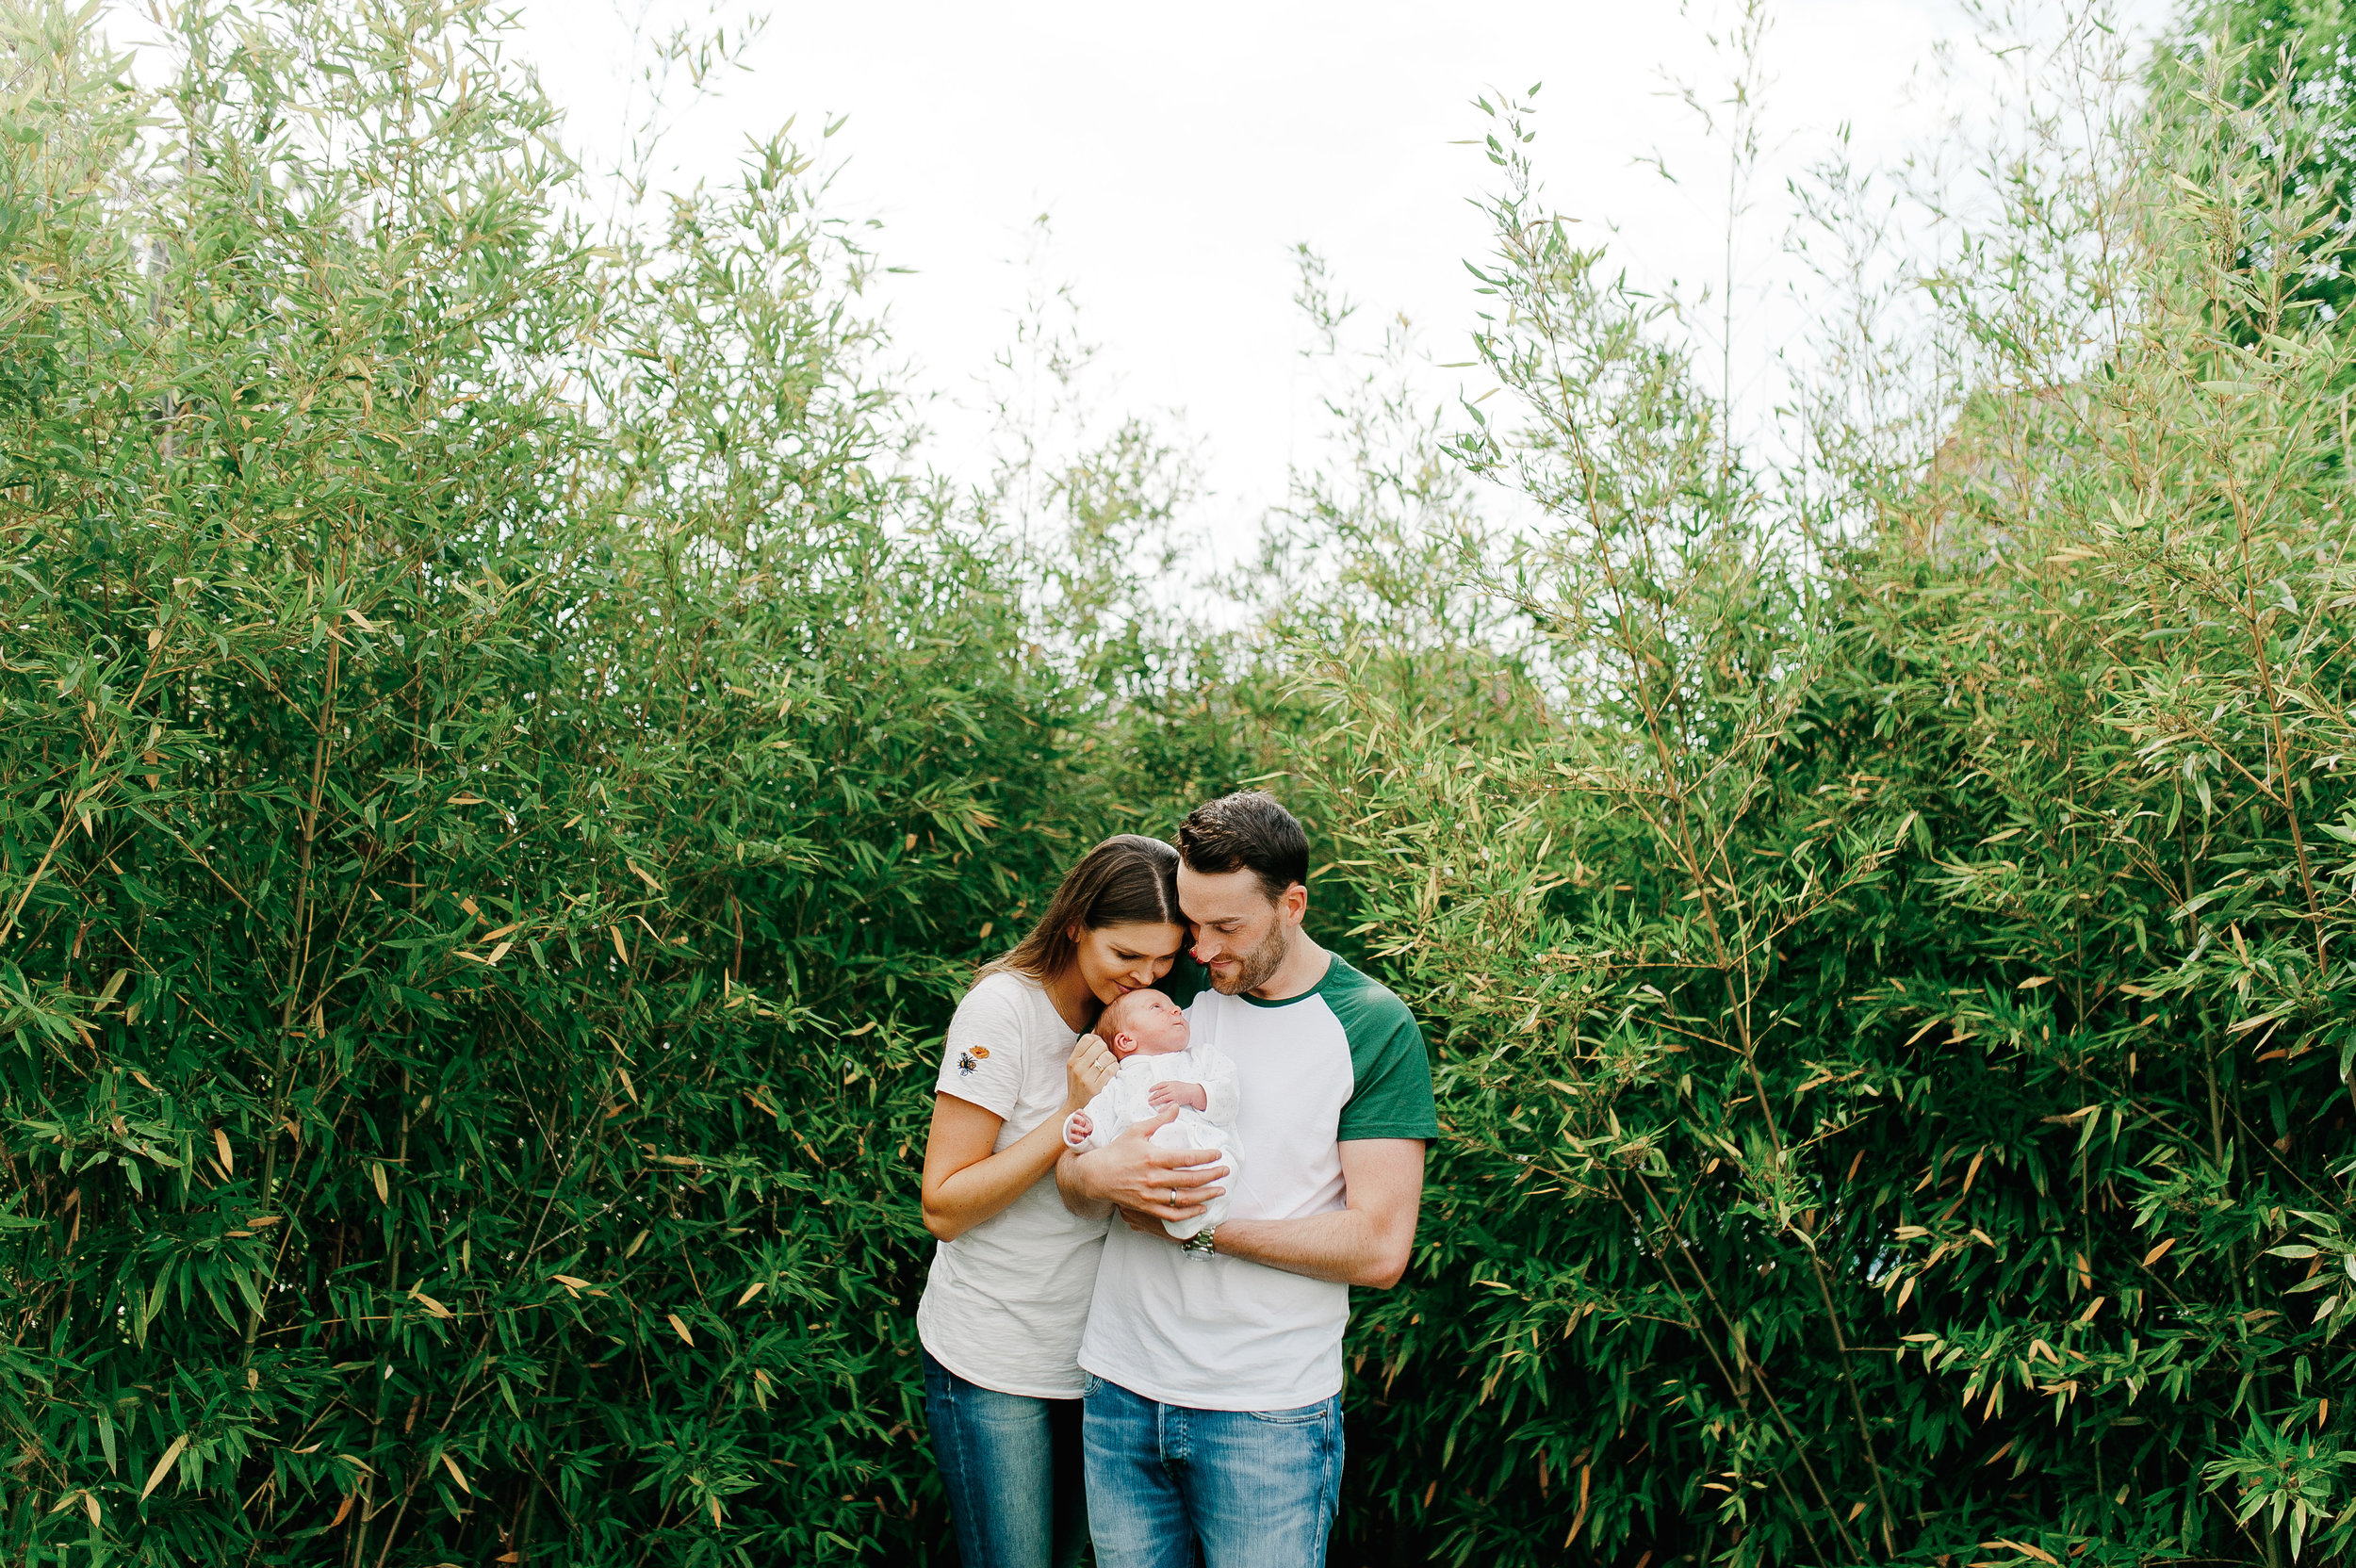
x,y
1143,1023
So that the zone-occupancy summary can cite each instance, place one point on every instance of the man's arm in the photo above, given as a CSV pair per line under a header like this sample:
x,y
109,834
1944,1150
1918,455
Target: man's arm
x,y
1139,1177
1368,1242
1068,1186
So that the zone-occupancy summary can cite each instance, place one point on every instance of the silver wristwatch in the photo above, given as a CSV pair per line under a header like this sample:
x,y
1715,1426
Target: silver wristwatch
x,y
1200,1243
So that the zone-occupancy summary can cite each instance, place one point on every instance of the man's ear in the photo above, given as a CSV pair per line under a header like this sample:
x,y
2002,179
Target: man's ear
x,y
1294,901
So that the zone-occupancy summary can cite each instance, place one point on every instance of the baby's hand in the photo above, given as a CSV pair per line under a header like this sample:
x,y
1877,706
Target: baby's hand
x,y
1163,1096
1077,1129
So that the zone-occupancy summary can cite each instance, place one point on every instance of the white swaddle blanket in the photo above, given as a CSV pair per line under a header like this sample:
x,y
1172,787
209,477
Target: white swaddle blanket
x,y
1121,1105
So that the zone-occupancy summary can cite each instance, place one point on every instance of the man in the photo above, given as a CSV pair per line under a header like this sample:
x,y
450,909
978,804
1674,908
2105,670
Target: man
x,y
1215,1365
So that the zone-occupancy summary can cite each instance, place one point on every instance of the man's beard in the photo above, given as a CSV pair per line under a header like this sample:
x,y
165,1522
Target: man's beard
x,y
1253,968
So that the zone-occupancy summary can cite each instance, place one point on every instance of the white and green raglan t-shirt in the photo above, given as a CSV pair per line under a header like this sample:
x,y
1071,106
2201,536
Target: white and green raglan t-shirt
x,y
1340,1062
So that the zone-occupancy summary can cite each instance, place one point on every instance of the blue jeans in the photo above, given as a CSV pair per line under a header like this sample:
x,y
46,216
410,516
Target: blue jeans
x,y
1257,1488
1012,1467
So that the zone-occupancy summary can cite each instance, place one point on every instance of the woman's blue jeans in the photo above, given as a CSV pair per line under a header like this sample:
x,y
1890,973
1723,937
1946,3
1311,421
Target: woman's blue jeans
x,y
1012,1467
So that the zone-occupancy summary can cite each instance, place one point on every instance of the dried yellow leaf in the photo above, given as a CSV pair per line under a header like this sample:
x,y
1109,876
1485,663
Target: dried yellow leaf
x,y
164,1465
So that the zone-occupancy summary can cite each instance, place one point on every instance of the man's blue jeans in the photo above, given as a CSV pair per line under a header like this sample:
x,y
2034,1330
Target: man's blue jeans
x,y
1012,1467
1257,1487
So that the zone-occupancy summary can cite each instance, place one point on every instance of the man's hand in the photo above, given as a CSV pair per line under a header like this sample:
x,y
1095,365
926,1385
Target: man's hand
x,y
1169,1096
1146,1225
1135,1174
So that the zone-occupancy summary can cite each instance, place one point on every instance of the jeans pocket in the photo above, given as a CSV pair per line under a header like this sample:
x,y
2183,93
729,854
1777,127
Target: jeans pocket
x,y
1088,1389
1300,1415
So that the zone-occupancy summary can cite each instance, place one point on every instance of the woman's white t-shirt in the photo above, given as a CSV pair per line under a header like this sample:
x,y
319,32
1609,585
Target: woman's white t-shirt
x,y
1005,1301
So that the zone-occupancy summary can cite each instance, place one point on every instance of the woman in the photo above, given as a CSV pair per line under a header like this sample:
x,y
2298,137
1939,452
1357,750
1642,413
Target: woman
x,y
1008,1293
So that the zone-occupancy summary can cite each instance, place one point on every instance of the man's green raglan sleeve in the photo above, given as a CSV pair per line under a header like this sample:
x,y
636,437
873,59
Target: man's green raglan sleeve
x,y
1391,1096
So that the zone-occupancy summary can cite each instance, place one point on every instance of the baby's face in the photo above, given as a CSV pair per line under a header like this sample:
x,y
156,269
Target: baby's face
x,y
1144,1023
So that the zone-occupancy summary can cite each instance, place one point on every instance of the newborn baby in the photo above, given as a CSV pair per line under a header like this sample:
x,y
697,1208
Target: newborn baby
x,y
1149,1033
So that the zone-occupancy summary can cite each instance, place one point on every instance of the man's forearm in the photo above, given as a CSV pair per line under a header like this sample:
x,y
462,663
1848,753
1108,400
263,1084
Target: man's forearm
x,y
1134,1173
1367,1244
1069,1186
1346,1247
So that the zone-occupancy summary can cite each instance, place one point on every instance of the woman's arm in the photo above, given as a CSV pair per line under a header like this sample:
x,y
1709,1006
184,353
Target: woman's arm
x,y
964,1182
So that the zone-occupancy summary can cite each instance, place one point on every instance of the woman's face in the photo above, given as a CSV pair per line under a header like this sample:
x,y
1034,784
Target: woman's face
x,y
1115,959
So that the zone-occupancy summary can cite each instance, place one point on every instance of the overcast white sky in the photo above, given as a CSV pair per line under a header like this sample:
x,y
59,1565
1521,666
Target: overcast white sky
x,y
1182,152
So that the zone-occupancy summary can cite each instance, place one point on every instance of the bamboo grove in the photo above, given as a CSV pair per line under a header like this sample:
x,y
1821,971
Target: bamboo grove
x,y
509,757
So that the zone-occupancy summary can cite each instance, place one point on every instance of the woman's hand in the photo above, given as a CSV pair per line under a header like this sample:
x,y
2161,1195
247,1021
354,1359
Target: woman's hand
x,y
1135,1174
1091,1066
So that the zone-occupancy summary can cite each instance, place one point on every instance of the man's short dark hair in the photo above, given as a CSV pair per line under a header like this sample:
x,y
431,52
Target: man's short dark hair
x,y
1246,831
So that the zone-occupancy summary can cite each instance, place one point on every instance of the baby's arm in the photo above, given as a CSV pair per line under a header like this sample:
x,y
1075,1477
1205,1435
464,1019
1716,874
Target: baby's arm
x,y
1172,1091
1098,1123
1219,1085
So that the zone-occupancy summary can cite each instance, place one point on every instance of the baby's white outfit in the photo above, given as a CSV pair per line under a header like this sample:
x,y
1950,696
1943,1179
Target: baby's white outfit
x,y
1121,1105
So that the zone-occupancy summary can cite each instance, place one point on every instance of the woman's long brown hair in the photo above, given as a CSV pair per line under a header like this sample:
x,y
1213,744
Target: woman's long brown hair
x,y
1129,879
